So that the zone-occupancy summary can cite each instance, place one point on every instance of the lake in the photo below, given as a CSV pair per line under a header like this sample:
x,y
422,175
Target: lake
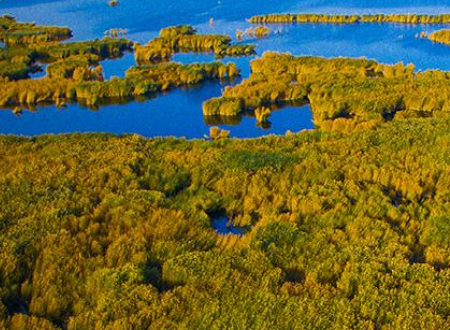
x,y
179,112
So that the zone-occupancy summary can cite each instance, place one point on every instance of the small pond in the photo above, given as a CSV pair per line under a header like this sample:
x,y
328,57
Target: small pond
x,y
221,226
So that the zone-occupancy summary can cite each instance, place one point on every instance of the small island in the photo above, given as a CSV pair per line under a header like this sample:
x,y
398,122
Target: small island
x,y
441,36
184,39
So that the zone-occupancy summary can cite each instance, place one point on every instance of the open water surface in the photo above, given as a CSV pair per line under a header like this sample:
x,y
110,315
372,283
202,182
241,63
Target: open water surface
x,y
179,112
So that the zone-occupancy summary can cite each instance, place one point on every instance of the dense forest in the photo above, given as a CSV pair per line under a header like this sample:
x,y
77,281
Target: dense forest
x,y
334,88
348,19
344,231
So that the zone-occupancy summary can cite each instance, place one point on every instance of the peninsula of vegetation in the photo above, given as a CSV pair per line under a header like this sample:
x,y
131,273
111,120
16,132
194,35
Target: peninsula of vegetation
x,y
343,93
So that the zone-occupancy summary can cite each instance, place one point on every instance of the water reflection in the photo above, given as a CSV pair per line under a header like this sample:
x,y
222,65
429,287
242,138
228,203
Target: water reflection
x,y
177,113
117,67
39,72
291,107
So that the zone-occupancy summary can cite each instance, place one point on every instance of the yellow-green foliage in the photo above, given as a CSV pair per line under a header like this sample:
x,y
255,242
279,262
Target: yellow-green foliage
x,y
87,83
66,67
203,43
258,32
235,50
215,133
13,70
141,81
27,43
14,33
16,67
355,90
222,107
261,31
34,91
104,48
348,19
185,39
16,61
407,19
154,51
177,31
71,74
6,21
262,114
349,231
346,230
441,36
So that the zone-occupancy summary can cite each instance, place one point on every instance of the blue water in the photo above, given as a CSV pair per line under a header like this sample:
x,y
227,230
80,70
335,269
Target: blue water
x,y
117,68
220,225
179,112
153,118
41,73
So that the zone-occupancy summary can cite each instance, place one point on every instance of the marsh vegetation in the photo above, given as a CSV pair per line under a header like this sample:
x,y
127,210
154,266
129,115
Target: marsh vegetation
x,y
15,33
107,232
74,71
341,227
441,36
184,39
86,84
258,32
343,93
350,19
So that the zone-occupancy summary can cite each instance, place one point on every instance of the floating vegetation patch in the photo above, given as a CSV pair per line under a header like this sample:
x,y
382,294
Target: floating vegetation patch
x,y
104,48
258,32
70,67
